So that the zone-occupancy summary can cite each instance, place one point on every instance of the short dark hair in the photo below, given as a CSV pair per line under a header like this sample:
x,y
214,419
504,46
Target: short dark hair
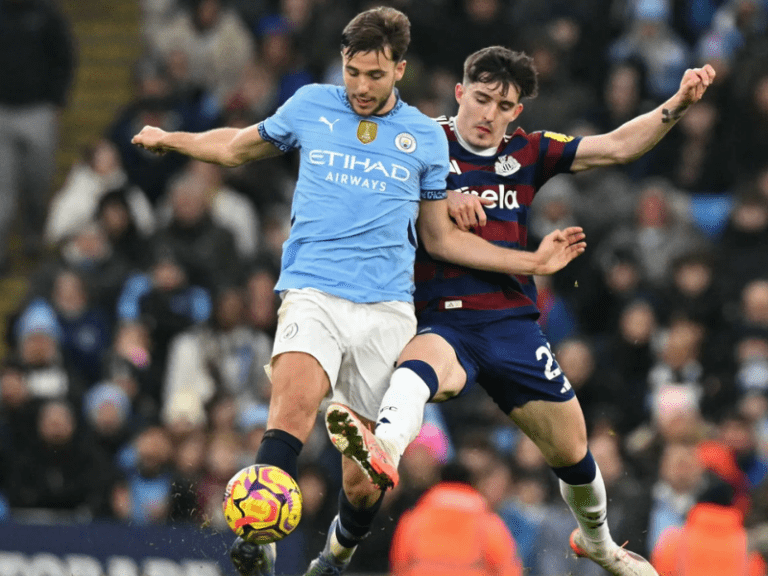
x,y
500,65
374,30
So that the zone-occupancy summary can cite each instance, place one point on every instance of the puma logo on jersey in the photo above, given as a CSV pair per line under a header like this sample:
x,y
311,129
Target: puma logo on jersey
x,y
324,120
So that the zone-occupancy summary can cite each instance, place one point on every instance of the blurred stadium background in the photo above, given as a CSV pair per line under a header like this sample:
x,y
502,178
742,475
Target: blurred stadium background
x,y
136,291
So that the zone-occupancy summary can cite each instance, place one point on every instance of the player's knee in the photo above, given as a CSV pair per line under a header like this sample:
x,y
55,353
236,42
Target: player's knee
x,y
570,451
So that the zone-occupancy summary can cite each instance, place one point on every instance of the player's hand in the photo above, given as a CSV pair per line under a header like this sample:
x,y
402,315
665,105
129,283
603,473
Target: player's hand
x,y
558,248
150,138
694,83
467,209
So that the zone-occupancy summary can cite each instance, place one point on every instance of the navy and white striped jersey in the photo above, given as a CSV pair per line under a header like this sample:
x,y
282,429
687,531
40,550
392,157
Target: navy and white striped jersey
x,y
511,177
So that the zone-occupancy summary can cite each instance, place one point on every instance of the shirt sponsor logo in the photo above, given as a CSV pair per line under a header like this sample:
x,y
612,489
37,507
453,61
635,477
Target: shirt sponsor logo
x,y
502,198
373,171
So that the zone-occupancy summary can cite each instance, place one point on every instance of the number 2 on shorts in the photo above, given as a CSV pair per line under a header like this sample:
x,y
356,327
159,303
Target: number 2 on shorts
x,y
546,352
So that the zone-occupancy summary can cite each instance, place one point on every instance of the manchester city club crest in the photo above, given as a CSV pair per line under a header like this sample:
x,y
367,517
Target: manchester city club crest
x,y
405,142
366,131
506,166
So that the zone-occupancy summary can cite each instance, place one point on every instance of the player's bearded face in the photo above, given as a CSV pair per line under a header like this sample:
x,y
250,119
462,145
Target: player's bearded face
x,y
369,78
485,112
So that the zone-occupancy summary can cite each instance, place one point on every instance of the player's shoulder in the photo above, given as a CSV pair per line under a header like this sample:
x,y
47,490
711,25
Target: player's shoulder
x,y
545,135
316,92
417,120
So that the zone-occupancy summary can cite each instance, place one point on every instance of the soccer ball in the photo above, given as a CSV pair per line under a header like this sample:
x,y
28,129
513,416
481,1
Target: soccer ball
x,y
262,504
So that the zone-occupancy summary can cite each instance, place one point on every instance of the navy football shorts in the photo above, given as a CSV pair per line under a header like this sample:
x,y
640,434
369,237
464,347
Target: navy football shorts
x,y
509,357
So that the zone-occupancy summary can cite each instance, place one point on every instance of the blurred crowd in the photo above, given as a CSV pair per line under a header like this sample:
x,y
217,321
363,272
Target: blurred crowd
x,y
135,383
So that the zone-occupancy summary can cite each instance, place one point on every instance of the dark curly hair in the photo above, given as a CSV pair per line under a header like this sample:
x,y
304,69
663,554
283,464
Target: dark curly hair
x,y
500,65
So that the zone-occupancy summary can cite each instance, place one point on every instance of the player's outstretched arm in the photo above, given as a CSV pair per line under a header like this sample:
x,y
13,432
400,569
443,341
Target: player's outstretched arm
x,y
225,146
637,136
444,241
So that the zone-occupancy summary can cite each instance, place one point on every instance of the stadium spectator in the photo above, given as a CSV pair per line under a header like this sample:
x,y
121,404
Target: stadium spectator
x,y
751,130
165,301
549,108
34,82
261,302
616,283
712,541
743,245
149,476
659,232
453,531
224,457
75,204
38,338
130,243
18,412
132,365
188,462
223,355
89,254
85,328
674,492
62,470
629,356
280,57
650,39
108,416
155,102
195,238
623,97
228,208
213,39
695,155
599,393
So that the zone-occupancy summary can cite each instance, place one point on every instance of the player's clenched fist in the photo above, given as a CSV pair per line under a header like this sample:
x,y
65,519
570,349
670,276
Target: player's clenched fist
x,y
150,138
694,83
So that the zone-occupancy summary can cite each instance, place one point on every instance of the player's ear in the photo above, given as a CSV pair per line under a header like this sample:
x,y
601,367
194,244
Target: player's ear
x,y
459,92
518,110
400,70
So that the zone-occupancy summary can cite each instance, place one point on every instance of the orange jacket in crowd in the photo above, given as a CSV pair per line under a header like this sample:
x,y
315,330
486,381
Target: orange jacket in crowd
x,y
452,532
713,542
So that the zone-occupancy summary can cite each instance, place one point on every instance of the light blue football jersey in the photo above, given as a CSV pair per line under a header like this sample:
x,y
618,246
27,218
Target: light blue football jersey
x,y
353,219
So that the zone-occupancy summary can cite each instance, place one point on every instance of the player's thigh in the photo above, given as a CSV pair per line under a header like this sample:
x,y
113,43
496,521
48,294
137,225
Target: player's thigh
x,y
441,356
557,428
372,338
299,384
305,361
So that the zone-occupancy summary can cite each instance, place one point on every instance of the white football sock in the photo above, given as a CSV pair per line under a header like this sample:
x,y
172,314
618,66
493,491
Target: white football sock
x,y
588,502
402,410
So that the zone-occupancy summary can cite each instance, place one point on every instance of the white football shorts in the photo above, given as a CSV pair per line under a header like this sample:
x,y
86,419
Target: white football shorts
x,y
356,344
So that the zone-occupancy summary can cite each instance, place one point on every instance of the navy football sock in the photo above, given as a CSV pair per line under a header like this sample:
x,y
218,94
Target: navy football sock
x,y
354,523
281,449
